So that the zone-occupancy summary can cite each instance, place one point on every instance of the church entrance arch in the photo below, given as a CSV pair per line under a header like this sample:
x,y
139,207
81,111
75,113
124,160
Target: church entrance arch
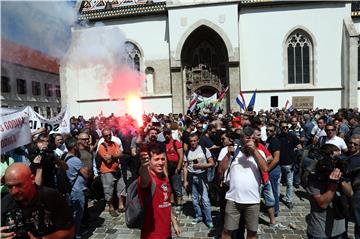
x,y
204,62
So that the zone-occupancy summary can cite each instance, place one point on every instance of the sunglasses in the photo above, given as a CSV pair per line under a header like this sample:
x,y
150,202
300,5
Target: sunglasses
x,y
328,130
85,139
108,135
269,130
352,143
284,127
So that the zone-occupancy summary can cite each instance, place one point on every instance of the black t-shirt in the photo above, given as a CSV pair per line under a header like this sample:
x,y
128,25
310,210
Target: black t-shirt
x,y
47,165
288,143
273,145
47,213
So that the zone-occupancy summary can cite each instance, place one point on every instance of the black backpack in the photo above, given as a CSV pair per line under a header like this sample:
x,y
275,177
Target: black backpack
x,y
63,183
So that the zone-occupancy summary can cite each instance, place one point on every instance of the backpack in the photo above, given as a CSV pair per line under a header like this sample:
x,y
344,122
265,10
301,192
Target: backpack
x,y
98,158
63,184
135,212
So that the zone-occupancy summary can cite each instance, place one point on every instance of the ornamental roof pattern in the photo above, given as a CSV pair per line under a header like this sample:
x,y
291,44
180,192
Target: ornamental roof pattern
x,y
102,9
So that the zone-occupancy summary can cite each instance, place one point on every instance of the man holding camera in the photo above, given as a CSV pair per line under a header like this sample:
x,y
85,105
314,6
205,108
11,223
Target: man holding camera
x,y
195,178
243,196
325,187
30,211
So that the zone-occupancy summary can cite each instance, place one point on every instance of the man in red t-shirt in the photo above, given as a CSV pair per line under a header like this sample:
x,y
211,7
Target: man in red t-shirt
x,y
175,157
158,216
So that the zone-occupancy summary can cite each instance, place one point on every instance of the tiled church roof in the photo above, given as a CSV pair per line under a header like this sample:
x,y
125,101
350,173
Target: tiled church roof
x,y
100,9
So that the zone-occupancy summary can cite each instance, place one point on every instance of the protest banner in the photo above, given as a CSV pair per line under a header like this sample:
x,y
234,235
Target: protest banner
x,y
14,131
57,124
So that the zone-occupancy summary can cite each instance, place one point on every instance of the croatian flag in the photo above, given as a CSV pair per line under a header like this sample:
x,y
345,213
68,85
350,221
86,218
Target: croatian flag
x,y
241,101
222,94
193,102
286,104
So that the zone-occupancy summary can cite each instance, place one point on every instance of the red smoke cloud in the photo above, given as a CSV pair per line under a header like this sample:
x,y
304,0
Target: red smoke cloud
x,y
125,81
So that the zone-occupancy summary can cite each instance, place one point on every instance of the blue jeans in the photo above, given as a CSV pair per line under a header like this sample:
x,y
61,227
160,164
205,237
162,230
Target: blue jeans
x,y
289,174
77,202
267,193
199,187
274,177
356,208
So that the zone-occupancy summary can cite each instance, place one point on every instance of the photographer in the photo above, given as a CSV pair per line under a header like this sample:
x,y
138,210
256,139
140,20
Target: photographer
x,y
30,211
324,185
43,162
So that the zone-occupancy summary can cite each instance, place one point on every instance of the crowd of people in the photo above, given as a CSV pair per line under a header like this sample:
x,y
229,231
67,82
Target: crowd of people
x,y
235,161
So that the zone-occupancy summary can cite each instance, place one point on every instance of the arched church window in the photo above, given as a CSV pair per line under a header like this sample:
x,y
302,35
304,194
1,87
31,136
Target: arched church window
x,y
150,79
299,58
132,56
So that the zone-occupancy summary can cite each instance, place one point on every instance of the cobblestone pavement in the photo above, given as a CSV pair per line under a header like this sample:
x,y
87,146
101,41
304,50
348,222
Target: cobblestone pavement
x,y
105,226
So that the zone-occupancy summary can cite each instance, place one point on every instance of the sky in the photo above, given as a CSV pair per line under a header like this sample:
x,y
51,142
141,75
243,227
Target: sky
x,y
42,25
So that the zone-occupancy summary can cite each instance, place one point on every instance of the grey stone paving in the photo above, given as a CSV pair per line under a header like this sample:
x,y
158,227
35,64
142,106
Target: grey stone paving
x,y
108,227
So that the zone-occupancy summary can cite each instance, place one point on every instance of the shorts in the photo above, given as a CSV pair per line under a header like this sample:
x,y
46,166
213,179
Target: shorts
x,y
267,193
233,212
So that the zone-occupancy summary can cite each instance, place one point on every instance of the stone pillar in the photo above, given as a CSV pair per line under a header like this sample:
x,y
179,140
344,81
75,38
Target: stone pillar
x,y
177,91
350,64
353,72
234,85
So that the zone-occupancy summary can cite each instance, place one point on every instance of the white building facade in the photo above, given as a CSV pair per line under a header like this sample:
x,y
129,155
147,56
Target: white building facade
x,y
280,49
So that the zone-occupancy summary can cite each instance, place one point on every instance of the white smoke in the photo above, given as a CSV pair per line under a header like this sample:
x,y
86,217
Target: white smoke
x,y
99,45
43,25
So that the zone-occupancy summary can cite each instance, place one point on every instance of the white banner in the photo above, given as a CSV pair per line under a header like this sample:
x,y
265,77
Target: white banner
x,y
14,131
58,124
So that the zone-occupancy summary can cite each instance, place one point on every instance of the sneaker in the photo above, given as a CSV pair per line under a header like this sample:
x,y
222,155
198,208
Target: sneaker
x,y
196,221
210,225
278,226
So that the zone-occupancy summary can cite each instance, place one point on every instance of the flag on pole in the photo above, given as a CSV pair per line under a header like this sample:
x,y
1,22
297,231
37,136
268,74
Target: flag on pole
x,y
252,101
240,100
243,99
286,104
222,94
193,102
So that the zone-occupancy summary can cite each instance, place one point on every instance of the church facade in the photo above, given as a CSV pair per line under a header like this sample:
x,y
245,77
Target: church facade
x,y
306,53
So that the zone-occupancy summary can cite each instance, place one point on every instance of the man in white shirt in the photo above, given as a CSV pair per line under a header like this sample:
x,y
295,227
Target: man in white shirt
x,y
331,138
243,196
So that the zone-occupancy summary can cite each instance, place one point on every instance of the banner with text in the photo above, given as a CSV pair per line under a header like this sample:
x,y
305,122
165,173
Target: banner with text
x,y
14,131
57,124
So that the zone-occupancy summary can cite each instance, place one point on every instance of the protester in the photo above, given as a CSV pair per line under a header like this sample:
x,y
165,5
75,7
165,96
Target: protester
x,y
197,162
158,217
77,175
243,196
324,221
34,211
110,154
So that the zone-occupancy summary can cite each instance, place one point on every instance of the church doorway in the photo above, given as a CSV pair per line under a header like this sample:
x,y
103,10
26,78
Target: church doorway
x,y
205,63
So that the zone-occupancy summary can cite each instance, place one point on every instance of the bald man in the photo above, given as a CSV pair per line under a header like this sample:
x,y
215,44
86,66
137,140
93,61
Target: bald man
x,y
30,211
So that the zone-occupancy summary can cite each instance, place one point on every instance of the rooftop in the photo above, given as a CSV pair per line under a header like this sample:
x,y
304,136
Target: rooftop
x,y
28,57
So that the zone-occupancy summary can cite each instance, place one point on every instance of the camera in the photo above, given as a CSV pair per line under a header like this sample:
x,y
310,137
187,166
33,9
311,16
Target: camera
x,y
326,165
16,223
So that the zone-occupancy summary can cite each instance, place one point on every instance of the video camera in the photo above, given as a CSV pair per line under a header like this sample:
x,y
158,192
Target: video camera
x,y
326,165
16,223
